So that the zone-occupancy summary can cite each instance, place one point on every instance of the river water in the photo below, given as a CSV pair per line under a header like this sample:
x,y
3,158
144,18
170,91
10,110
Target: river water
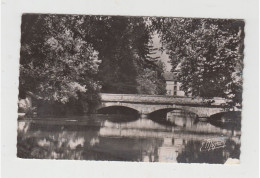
x,y
180,139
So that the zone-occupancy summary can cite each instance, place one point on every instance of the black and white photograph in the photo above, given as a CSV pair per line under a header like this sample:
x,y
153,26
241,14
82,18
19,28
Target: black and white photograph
x,y
130,88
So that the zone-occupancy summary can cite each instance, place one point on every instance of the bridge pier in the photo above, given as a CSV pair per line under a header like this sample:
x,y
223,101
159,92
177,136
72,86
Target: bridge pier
x,y
143,116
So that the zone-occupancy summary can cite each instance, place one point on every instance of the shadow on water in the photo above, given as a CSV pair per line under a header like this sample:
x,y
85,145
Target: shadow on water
x,y
162,121
227,120
121,118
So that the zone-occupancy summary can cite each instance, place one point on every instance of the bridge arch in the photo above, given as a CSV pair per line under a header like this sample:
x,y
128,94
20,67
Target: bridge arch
x,y
117,109
149,108
163,112
228,119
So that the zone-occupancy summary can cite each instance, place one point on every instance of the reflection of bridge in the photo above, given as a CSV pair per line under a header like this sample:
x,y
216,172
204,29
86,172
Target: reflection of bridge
x,y
148,104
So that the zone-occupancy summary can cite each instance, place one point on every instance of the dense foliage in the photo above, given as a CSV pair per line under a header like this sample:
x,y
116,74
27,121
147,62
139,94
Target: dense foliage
x,y
207,54
124,46
66,60
69,59
151,81
55,64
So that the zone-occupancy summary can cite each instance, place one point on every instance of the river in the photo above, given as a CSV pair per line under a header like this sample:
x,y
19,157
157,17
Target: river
x,y
180,138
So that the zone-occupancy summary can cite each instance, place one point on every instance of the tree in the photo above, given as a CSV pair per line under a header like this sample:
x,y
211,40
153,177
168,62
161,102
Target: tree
x,y
208,53
124,46
56,65
151,81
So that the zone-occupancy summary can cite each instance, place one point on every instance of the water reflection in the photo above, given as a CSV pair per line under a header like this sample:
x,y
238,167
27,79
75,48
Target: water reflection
x,y
191,154
100,138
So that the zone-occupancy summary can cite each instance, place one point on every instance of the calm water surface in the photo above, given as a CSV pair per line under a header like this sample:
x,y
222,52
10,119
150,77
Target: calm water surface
x,y
123,138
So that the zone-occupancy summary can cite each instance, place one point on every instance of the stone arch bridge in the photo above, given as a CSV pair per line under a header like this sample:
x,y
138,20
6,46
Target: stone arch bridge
x,y
147,104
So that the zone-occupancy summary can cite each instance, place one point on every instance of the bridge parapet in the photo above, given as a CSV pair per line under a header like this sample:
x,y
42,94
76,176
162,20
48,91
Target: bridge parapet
x,y
155,99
